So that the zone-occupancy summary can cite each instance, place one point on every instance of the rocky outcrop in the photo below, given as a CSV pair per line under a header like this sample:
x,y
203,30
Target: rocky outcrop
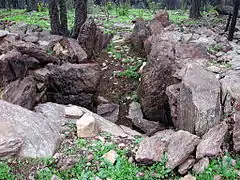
x,y
212,142
34,135
236,132
199,100
73,83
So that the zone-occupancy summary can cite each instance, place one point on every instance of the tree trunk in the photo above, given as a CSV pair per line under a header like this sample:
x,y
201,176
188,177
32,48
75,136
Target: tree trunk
x,y
54,17
195,9
234,20
63,17
80,16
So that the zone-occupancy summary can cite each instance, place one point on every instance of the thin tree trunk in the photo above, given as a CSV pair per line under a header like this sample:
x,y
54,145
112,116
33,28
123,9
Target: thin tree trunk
x,y
195,9
63,17
234,20
54,17
80,16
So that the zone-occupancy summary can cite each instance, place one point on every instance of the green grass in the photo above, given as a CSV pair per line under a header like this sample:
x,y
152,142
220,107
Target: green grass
x,y
123,169
221,167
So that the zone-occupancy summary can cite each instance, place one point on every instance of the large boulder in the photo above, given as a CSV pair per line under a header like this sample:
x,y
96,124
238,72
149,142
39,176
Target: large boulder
x,y
73,83
39,134
157,75
21,92
199,100
56,112
92,39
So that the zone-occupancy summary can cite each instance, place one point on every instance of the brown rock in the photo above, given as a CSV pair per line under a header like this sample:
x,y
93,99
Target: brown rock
x,y
36,52
140,33
92,39
187,165
151,150
201,165
211,142
69,50
162,17
10,146
21,92
81,80
181,145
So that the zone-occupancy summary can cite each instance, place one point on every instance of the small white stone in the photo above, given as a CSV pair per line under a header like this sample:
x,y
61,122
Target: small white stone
x,y
111,156
87,126
73,112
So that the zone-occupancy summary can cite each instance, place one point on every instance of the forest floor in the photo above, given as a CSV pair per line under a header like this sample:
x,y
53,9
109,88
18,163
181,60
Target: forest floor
x,y
119,85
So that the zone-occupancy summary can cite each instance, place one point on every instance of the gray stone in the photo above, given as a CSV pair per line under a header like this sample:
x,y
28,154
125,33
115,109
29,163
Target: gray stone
x,y
73,112
201,165
10,145
236,132
181,145
3,33
130,131
187,165
136,115
199,100
230,86
56,113
211,142
151,150
40,134
111,156
109,111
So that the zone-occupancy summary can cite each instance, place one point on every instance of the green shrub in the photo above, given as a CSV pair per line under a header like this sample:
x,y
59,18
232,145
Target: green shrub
x,y
5,172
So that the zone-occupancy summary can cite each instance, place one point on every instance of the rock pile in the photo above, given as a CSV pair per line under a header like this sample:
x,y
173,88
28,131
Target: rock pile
x,y
37,67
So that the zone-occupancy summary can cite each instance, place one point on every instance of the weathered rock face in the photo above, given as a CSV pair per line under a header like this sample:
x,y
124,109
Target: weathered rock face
x,y
163,18
56,112
156,76
69,50
211,142
201,165
230,86
140,33
73,83
151,150
187,165
21,92
40,135
199,100
236,132
136,115
9,146
109,111
181,145
92,40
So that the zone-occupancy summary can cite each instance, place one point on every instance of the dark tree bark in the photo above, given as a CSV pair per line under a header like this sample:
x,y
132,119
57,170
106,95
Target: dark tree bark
x,y
31,5
54,17
195,9
80,16
63,17
234,20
